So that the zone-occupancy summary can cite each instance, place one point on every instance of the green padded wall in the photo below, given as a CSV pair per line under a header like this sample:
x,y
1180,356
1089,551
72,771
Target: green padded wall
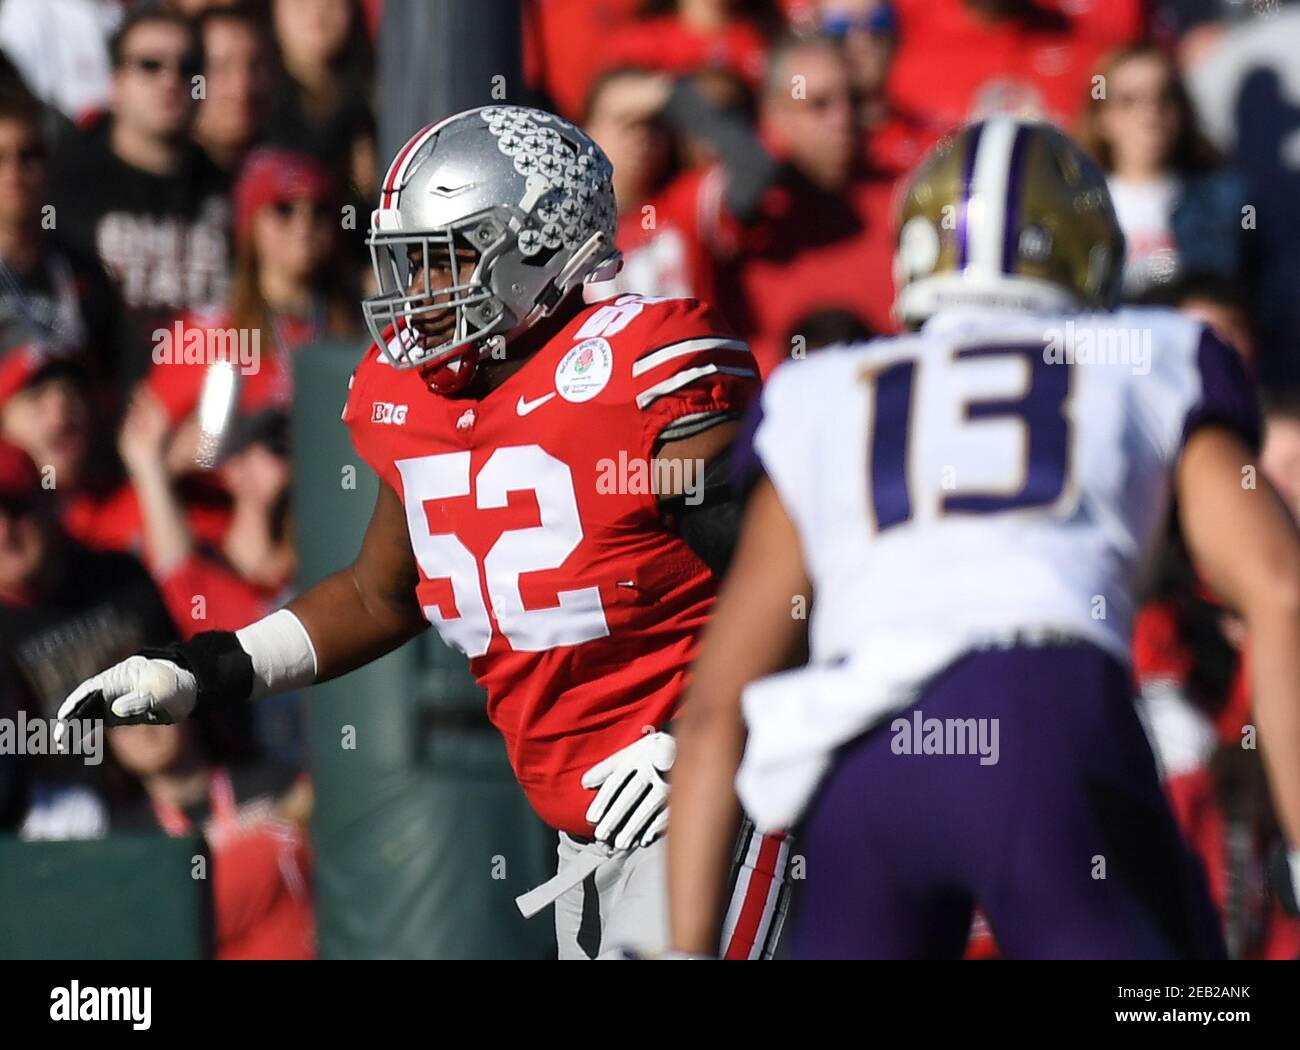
x,y
422,836
126,897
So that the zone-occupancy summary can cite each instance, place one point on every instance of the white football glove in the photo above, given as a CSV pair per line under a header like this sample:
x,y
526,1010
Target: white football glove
x,y
137,690
631,782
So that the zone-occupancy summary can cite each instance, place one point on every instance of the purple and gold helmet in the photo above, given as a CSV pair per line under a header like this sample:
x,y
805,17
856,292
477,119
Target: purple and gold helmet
x,y
1011,213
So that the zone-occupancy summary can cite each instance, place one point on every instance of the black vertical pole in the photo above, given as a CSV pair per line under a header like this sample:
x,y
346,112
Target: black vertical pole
x,y
437,57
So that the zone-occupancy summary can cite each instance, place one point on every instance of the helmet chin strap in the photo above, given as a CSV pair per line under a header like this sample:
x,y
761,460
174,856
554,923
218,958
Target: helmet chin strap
x,y
596,245
580,262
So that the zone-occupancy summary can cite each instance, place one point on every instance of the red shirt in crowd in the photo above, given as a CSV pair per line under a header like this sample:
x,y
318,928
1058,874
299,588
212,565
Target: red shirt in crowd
x,y
811,251
670,244
563,46
265,379
112,521
896,144
669,45
996,66
229,601
261,877
1260,930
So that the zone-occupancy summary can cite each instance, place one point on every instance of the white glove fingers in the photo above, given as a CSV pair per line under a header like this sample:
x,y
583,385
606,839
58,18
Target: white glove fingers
x,y
77,695
610,789
133,707
632,828
657,827
627,799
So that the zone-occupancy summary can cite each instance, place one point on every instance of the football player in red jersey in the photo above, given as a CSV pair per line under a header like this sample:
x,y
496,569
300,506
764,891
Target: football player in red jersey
x,y
521,435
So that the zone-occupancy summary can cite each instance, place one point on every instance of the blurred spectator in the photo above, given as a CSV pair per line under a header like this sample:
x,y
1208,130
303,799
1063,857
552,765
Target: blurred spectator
x,y
66,611
1222,304
563,47
896,138
786,221
60,47
49,295
290,288
823,234
1190,664
254,817
321,100
1247,89
729,99
624,116
657,230
45,409
674,225
237,66
681,36
137,192
195,9
1180,209
822,328
238,581
959,59
30,802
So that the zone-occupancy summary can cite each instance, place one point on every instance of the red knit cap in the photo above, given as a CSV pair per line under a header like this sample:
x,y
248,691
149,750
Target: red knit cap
x,y
276,176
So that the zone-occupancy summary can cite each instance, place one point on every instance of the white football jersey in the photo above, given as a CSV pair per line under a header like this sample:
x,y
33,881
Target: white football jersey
x,y
994,478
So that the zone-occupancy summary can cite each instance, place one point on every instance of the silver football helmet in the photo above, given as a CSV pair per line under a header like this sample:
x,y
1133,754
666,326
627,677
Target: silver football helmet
x,y
528,192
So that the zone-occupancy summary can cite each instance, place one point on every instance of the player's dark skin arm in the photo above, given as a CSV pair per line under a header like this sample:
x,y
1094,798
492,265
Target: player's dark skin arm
x,y
753,633
368,609
679,460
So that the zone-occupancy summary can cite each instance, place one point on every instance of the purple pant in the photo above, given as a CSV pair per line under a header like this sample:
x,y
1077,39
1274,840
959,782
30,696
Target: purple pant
x,y
900,847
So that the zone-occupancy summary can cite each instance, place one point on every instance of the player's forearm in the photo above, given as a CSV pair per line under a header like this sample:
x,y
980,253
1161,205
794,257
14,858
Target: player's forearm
x,y
350,625
1275,672
705,820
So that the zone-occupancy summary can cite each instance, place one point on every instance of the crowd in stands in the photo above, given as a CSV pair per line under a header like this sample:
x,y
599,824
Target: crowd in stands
x,y
176,169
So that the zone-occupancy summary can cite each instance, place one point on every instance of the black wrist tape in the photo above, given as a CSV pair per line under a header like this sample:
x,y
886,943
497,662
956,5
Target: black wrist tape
x,y
221,668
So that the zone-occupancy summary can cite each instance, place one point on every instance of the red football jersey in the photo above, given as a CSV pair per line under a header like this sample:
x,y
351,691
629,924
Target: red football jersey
x,y
542,552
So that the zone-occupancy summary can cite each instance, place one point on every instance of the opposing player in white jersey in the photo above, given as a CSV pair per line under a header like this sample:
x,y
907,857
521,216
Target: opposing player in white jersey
x,y
970,508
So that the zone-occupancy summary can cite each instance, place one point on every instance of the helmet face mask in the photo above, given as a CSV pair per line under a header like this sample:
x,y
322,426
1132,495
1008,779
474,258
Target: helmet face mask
x,y
411,307
528,193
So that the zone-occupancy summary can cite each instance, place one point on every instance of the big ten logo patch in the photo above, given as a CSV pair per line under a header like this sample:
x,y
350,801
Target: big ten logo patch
x,y
387,412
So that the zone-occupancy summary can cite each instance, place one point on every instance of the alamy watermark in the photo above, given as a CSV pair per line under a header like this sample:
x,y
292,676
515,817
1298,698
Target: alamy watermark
x,y
919,735
189,345
632,475
35,736
1089,344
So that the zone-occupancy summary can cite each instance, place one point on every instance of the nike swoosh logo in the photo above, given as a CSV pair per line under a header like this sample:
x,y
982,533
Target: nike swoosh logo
x,y
524,407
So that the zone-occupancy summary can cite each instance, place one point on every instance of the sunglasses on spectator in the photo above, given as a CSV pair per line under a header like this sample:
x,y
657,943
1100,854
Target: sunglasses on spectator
x,y
880,22
821,103
151,65
286,209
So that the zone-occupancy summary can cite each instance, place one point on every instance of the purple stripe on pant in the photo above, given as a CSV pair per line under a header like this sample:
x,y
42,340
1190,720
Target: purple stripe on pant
x,y
899,847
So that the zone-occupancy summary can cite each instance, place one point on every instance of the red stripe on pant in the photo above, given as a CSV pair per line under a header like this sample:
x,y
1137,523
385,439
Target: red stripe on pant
x,y
758,889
